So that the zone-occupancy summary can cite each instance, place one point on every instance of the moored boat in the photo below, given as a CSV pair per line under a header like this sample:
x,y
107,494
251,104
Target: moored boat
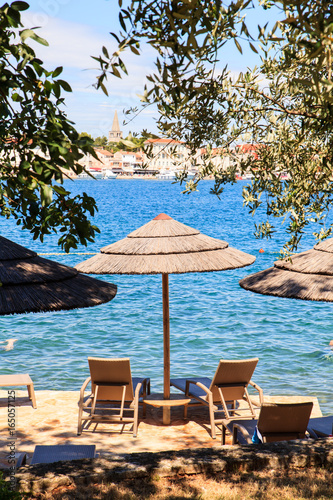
x,y
171,175
108,174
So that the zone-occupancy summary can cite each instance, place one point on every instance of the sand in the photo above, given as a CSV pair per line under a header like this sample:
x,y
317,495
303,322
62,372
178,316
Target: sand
x,y
55,422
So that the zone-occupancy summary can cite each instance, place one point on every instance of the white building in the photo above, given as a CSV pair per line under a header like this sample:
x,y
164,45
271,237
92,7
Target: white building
x,y
167,155
127,161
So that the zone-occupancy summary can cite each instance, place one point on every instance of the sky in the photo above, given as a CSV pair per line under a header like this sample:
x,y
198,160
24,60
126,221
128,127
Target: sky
x,y
77,30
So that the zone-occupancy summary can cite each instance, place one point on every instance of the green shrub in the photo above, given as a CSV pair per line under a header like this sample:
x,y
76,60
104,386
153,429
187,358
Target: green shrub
x,y
6,493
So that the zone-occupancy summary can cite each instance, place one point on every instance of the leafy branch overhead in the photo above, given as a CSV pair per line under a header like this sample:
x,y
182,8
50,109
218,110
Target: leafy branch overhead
x,y
284,106
39,145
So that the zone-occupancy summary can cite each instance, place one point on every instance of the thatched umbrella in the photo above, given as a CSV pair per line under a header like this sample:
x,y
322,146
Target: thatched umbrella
x,y
30,283
165,246
307,276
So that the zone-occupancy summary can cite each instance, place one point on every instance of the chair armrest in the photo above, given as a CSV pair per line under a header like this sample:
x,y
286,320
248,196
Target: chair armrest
x,y
198,384
243,430
259,389
137,390
83,388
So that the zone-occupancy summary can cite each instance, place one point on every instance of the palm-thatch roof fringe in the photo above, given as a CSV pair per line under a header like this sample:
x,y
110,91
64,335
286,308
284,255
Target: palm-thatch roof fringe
x,y
309,262
29,283
288,284
10,250
214,260
33,270
166,227
78,291
325,246
164,245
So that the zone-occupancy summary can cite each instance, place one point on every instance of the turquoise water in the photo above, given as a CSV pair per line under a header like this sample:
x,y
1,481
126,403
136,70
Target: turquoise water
x,y
211,317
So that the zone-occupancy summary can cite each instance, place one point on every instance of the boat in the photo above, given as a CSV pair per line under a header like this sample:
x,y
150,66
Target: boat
x,y
108,174
248,176
83,175
167,175
171,175
97,174
191,175
244,177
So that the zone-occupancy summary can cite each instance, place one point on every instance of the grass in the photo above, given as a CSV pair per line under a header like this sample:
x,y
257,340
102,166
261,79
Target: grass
x,y
291,484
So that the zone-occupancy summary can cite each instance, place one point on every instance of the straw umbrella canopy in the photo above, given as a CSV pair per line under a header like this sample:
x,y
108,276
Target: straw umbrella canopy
x,y
306,276
165,246
30,283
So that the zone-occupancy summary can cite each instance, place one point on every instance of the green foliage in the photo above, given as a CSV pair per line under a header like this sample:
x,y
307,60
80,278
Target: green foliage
x,y
100,141
6,493
285,105
292,119
131,143
39,145
83,135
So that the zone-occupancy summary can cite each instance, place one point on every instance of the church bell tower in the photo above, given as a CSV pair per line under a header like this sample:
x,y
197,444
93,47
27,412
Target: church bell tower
x,y
115,133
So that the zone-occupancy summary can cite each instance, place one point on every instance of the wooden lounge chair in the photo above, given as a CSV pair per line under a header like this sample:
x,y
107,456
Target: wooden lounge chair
x,y
19,380
228,386
276,422
115,395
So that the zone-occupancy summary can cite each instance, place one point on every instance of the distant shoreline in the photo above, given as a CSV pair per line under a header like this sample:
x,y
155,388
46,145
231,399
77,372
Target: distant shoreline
x,y
135,177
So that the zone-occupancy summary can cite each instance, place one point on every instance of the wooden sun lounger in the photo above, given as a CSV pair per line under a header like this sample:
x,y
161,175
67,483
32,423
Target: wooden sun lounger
x,y
115,394
276,422
228,386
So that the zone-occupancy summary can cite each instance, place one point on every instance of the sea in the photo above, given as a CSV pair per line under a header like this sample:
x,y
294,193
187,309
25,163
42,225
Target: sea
x,y
211,316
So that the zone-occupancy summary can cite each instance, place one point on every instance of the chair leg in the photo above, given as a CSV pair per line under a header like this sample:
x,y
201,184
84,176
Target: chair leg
x,y
136,418
94,401
31,394
224,404
249,403
223,435
234,435
211,416
79,425
122,404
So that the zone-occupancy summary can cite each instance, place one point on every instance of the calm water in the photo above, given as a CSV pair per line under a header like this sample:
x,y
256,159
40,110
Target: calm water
x,y
211,317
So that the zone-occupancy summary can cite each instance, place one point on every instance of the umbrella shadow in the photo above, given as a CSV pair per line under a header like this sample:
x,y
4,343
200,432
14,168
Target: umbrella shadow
x,y
196,415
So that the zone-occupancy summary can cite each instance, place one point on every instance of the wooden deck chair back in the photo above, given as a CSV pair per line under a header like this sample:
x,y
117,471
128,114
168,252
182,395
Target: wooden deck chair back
x,y
284,421
233,377
116,373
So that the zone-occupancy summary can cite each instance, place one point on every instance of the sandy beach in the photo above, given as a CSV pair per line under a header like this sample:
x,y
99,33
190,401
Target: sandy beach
x,y
54,421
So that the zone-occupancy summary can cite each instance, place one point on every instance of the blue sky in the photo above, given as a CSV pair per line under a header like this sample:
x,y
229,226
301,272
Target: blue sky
x,y
77,30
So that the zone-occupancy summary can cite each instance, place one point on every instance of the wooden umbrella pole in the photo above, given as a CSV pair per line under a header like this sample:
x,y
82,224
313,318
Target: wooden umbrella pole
x,y
166,345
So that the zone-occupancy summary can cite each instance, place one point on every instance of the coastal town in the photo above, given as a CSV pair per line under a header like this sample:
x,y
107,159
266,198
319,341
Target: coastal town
x,y
166,158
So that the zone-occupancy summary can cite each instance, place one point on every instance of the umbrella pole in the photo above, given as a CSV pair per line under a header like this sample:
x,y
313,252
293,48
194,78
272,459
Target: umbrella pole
x,y
166,346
